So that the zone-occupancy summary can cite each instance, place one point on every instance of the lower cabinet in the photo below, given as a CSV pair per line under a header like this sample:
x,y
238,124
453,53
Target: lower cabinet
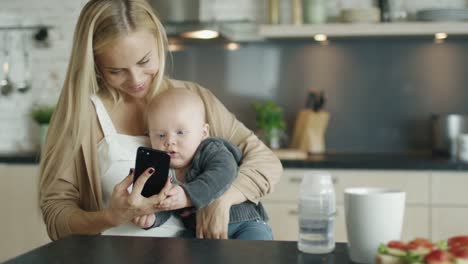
x,y
282,205
447,222
21,228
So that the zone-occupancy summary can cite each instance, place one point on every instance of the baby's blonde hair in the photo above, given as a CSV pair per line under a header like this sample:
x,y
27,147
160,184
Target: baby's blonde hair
x,y
175,98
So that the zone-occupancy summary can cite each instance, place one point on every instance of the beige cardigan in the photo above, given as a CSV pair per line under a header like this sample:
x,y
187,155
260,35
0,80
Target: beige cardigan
x,y
79,186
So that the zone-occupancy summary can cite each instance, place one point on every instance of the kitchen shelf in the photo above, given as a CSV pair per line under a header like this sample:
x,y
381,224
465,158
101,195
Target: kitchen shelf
x,y
363,30
30,27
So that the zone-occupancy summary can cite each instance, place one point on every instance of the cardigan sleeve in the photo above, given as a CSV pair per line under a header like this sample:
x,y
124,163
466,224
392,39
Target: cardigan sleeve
x,y
260,169
65,187
215,168
59,199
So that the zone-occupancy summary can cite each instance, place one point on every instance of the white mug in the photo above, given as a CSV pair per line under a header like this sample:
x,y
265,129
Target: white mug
x,y
373,216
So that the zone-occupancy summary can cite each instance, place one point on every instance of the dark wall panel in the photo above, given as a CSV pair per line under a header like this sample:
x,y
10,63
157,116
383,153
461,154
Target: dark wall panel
x,y
380,92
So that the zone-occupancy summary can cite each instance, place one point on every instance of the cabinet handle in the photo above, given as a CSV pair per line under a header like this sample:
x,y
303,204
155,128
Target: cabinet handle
x,y
334,180
295,180
299,180
293,212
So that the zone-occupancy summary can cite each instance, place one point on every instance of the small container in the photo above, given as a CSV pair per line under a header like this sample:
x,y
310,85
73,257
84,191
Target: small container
x,y
317,213
315,11
296,12
463,147
273,11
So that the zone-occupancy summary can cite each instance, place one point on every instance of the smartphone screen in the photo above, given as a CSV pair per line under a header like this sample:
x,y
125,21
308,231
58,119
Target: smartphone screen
x,y
159,160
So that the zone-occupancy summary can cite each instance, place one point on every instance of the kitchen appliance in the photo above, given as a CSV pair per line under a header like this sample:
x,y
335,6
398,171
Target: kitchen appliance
x,y
196,19
445,131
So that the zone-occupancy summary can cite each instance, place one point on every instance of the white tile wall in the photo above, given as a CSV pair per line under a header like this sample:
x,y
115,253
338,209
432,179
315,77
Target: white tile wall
x,y
48,65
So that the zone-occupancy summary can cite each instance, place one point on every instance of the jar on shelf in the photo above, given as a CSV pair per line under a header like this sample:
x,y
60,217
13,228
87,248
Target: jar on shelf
x,y
314,11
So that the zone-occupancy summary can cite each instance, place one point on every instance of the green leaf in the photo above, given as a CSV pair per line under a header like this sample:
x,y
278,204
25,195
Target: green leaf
x,y
42,114
269,116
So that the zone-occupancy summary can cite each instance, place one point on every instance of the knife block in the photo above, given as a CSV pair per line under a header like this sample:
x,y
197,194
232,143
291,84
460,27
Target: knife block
x,y
309,131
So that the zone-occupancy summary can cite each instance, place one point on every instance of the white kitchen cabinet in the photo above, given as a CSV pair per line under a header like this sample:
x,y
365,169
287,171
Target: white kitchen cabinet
x,y
283,220
449,203
282,204
414,183
447,222
449,188
21,225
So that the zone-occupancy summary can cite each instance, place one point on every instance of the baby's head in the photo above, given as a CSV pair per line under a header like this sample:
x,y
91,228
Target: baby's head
x,y
176,124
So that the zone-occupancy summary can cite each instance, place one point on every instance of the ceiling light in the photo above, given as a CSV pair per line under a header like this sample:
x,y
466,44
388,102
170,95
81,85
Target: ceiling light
x,y
232,46
320,37
201,34
440,35
175,47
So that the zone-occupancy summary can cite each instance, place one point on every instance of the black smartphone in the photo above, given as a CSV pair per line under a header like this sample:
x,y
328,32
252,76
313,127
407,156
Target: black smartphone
x,y
159,160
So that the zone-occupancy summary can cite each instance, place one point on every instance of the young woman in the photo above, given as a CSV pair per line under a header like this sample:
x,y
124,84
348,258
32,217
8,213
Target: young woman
x,y
116,67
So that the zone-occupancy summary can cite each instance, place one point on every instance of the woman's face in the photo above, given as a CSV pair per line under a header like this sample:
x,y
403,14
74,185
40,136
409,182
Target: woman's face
x,y
130,63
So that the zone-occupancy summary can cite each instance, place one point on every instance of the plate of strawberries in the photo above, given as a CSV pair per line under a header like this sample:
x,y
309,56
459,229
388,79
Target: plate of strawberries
x,y
451,251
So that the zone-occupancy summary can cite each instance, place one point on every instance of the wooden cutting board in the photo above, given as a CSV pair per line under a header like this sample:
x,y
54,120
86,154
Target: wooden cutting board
x,y
290,154
309,131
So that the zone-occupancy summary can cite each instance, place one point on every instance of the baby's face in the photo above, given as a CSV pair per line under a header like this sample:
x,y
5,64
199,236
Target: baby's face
x,y
178,132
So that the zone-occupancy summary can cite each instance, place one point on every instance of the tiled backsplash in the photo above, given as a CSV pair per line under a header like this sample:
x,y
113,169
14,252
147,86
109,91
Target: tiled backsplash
x,y
48,64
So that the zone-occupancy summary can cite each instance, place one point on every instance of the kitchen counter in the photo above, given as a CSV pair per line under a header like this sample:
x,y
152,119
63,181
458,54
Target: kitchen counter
x,y
329,161
21,158
377,162
121,249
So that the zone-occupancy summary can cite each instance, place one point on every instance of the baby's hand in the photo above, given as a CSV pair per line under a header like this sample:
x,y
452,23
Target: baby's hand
x,y
176,199
144,221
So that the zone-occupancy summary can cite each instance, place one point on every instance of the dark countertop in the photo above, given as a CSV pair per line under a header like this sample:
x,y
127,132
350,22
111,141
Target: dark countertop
x,y
121,249
376,162
330,161
20,158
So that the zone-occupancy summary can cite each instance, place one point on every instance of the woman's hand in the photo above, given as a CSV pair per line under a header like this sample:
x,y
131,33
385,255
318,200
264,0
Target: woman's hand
x,y
213,220
125,206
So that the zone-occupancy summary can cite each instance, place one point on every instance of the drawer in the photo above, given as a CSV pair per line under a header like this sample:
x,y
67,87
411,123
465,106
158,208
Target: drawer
x,y
448,222
449,188
416,223
415,184
284,220
288,187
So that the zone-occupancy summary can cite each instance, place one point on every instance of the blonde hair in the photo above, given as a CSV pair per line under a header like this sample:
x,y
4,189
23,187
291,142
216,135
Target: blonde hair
x,y
100,23
175,98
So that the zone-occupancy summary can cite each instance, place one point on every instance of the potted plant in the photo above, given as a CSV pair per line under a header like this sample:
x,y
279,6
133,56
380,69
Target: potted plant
x,y
42,114
269,118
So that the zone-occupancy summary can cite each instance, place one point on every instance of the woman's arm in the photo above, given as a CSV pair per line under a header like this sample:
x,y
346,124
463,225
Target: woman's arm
x,y
62,215
260,169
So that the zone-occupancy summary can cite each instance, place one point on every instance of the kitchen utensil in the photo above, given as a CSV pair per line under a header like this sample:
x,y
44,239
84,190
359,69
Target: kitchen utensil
x,y
309,131
24,84
462,147
315,100
6,86
445,130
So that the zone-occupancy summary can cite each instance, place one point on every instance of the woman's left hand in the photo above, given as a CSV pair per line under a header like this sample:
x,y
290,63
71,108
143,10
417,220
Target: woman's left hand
x,y
213,220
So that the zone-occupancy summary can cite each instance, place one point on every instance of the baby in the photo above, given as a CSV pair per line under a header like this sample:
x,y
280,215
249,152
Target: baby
x,y
204,167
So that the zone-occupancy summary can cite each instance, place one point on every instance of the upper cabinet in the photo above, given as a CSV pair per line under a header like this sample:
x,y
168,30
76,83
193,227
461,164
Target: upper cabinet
x,y
363,30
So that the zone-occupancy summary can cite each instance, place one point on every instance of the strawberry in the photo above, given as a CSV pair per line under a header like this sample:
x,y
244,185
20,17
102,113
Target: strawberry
x,y
460,252
438,257
458,241
397,244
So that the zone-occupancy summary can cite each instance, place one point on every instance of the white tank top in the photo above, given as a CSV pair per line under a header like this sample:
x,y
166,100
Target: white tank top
x,y
116,155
